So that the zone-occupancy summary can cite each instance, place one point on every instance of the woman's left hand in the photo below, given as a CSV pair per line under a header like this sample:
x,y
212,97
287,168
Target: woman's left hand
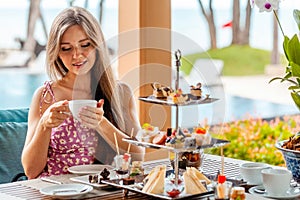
x,y
92,117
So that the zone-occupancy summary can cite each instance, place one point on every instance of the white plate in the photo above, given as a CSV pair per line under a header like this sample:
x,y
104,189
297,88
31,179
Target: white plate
x,y
290,194
66,191
88,169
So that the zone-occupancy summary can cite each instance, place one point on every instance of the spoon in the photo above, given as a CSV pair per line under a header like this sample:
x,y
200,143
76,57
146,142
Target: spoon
x,y
51,181
260,190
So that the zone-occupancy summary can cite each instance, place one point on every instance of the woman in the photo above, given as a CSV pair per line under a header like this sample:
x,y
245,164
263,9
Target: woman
x,y
79,68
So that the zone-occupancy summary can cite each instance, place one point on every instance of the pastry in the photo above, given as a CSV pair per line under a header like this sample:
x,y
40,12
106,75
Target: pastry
x,y
105,174
93,178
147,133
178,97
159,138
201,135
161,92
128,181
196,90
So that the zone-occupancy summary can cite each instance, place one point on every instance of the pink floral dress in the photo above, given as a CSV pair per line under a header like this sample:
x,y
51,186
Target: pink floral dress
x,y
71,143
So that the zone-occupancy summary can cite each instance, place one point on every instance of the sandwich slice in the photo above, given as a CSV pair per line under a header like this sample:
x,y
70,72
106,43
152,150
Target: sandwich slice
x,y
156,180
192,183
199,175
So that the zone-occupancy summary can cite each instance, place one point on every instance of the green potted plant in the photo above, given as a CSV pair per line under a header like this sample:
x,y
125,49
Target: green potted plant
x,y
291,47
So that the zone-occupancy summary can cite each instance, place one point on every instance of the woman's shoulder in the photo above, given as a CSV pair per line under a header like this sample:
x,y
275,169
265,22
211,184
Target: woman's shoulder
x,y
42,89
42,94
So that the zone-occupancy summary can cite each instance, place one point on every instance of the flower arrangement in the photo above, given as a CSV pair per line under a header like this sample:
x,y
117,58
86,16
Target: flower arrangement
x,y
291,47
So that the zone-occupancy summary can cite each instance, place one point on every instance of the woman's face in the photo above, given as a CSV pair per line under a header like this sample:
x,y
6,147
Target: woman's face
x,y
76,51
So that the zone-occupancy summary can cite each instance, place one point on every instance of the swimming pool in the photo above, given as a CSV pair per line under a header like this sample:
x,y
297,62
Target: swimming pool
x,y
17,88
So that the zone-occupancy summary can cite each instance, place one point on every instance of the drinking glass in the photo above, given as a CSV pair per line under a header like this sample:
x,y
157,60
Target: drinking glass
x,y
122,165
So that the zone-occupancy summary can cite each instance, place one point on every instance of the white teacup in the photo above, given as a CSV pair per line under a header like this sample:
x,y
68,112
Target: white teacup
x,y
76,105
276,181
251,172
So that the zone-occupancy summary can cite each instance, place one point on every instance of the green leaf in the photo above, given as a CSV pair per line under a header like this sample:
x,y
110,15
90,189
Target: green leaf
x,y
296,15
292,49
294,88
298,80
285,46
296,98
295,69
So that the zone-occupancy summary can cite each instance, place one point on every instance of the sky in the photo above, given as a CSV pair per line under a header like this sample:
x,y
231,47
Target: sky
x,y
177,18
114,3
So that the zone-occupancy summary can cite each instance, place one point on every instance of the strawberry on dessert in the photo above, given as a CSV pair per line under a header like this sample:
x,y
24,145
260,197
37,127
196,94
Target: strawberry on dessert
x,y
201,135
178,96
200,130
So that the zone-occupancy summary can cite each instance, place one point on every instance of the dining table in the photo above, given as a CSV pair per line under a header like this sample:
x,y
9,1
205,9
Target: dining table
x,y
211,166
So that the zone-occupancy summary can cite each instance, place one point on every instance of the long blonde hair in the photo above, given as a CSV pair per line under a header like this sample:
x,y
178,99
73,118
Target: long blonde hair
x,y
101,73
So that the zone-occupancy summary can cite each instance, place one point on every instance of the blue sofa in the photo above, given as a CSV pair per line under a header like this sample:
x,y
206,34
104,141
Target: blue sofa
x,y
13,128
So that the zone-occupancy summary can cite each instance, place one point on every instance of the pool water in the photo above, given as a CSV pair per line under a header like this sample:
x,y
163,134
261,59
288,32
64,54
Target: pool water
x,y
232,108
17,88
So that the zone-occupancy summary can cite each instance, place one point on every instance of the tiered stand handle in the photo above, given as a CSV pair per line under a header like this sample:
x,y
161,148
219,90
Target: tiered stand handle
x,y
178,64
176,159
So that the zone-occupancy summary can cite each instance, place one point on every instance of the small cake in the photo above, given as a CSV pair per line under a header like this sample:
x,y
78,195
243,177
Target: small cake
x,y
178,97
93,178
128,181
147,133
201,135
104,175
159,138
196,90
161,92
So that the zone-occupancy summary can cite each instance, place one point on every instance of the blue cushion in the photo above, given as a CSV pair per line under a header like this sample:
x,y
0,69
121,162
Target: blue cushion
x,y
12,139
14,115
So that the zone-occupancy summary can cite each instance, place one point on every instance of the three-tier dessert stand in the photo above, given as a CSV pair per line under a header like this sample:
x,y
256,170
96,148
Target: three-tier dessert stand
x,y
203,100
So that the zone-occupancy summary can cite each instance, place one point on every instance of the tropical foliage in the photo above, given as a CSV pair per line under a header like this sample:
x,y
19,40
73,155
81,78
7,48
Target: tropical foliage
x,y
254,139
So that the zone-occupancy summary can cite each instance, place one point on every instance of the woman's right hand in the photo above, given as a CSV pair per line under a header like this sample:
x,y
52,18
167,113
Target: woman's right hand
x,y
56,114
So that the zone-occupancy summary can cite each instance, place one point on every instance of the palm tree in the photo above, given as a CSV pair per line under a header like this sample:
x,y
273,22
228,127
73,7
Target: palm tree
x,y
30,44
240,31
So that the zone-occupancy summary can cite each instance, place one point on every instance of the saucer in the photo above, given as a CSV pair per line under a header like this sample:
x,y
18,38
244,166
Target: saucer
x,y
291,193
66,191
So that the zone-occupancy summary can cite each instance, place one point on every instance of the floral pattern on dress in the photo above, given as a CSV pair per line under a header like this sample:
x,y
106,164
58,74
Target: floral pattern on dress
x,y
70,144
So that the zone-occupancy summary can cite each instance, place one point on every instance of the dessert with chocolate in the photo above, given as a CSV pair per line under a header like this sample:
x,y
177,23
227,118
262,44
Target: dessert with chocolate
x,y
161,92
93,178
128,181
196,90
104,175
